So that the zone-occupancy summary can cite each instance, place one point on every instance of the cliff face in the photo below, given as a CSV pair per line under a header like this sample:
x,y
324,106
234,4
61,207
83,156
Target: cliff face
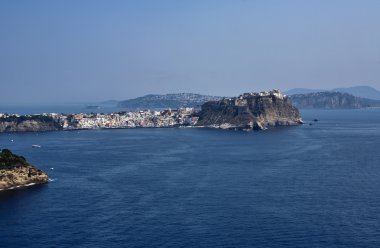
x,y
331,100
34,123
250,111
15,171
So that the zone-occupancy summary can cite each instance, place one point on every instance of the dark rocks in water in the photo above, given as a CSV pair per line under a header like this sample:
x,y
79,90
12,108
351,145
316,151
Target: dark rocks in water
x,y
250,111
315,120
15,171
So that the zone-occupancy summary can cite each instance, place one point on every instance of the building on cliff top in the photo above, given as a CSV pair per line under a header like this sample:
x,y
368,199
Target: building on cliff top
x,y
275,92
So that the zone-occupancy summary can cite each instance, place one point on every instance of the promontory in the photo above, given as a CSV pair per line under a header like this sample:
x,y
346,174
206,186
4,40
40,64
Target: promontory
x,y
250,111
15,171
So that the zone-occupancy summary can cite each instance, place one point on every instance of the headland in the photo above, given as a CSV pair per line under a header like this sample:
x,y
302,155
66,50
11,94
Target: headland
x,y
16,172
249,111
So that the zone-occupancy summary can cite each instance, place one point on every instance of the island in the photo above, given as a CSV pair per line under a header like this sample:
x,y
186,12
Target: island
x,y
250,111
332,100
16,172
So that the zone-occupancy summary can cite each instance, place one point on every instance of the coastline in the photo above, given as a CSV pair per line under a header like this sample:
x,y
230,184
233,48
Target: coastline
x,y
16,172
166,127
6,185
20,186
249,111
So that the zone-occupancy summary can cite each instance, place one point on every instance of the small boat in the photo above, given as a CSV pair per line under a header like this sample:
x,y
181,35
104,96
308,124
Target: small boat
x,y
36,146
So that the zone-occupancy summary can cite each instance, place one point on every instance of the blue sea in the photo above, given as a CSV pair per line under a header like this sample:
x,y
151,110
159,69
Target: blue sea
x,y
307,186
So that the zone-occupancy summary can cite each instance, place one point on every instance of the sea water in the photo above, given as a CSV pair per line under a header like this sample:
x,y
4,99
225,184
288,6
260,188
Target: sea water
x,y
307,186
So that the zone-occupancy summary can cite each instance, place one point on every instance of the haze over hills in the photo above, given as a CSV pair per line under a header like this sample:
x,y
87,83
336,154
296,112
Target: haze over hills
x,y
167,101
109,102
354,97
297,91
361,91
331,100
358,91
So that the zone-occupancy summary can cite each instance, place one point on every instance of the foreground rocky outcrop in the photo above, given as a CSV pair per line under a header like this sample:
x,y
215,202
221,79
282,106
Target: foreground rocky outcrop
x,y
28,123
250,111
15,171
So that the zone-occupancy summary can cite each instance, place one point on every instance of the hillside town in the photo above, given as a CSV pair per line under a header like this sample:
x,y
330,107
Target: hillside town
x,y
143,119
166,118
236,112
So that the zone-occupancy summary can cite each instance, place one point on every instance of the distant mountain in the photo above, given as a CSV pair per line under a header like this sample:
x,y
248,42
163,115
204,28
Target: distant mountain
x,y
167,101
358,91
361,91
331,100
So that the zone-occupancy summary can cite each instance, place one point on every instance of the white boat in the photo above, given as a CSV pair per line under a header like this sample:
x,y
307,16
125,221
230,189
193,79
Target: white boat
x,y
36,146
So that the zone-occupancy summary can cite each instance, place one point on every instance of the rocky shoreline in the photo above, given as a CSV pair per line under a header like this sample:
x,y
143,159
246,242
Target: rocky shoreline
x,y
250,111
15,172
28,123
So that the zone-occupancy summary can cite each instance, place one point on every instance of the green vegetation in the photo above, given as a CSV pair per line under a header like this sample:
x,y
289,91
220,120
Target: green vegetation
x,y
9,160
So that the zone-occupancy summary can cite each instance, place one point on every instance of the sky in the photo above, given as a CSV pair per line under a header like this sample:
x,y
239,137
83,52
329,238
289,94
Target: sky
x,y
80,51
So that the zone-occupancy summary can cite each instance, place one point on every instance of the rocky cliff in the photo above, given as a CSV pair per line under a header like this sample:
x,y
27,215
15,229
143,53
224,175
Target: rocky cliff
x,y
331,100
15,171
28,123
250,111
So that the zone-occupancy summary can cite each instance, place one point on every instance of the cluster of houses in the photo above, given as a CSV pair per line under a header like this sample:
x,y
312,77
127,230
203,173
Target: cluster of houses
x,y
272,93
147,118
243,99
143,119
166,118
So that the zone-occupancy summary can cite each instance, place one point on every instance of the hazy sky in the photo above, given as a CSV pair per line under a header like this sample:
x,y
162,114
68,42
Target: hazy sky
x,y
72,51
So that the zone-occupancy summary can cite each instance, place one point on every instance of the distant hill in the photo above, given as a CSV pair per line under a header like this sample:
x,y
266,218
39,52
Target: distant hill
x,y
361,91
167,101
358,91
331,100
